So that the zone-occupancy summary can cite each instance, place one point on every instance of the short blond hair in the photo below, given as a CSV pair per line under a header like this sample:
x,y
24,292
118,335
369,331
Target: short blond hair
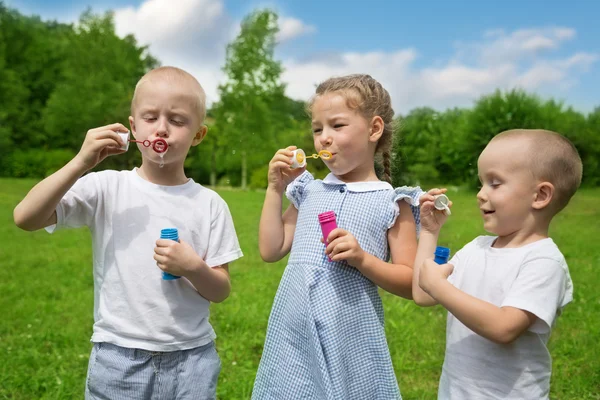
x,y
554,159
174,74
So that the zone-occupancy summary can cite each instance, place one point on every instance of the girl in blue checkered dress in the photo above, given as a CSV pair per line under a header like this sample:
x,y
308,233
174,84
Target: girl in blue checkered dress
x,y
326,338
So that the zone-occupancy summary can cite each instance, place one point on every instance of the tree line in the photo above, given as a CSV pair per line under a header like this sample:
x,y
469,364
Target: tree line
x,y
58,80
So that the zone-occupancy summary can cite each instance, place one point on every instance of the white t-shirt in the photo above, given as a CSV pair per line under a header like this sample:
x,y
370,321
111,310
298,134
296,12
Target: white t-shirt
x,y
133,306
534,278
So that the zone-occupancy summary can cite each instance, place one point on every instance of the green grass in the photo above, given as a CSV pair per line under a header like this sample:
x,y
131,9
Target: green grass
x,y
46,299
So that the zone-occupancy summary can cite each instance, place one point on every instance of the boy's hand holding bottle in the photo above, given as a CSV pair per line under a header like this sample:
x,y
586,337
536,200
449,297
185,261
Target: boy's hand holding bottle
x,y
177,258
432,218
432,273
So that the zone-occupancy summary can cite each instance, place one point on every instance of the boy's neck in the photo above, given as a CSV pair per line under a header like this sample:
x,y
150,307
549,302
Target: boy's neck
x,y
168,175
522,237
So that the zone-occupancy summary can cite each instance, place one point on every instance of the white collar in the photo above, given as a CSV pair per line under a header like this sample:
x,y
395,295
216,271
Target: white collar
x,y
368,186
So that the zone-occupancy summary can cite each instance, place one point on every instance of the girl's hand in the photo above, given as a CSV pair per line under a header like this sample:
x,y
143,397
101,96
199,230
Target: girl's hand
x,y
176,258
280,174
432,219
100,143
431,273
342,245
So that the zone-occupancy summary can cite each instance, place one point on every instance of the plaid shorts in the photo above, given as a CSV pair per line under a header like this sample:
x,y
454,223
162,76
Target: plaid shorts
x,y
122,373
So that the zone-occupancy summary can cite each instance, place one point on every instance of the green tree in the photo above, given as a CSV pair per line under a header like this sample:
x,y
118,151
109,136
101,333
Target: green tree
x,y
588,145
32,53
495,113
96,84
451,162
580,130
12,91
414,148
252,102
204,161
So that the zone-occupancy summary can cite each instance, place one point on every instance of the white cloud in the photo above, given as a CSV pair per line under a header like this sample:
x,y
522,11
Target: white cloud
x,y
193,34
189,34
564,33
290,28
451,85
389,68
160,21
582,60
499,60
499,46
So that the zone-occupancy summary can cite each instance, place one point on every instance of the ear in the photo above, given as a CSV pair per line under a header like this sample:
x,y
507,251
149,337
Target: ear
x,y
132,125
543,195
376,129
200,135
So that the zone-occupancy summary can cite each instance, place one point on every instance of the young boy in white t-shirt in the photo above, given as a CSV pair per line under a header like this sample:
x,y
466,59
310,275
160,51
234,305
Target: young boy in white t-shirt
x,y
151,336
503,292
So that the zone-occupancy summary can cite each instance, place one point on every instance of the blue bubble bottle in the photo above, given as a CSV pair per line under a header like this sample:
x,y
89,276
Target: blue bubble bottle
x,y
442,254
169,233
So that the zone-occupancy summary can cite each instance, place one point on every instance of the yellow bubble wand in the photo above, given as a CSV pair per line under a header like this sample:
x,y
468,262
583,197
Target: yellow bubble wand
x,y
299,157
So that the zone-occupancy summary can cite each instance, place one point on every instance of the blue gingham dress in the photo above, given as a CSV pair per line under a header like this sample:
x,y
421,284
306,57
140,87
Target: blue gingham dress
x,y
326,338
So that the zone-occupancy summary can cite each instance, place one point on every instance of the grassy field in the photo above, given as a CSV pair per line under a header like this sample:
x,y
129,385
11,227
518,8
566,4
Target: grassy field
x,y
46,298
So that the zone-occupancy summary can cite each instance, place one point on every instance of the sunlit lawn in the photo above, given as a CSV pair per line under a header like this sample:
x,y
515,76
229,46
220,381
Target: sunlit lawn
x,y
46,302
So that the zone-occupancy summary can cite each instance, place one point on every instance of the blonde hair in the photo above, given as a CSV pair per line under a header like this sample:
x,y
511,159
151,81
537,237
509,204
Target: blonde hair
x,y
174,74
370,99
554,159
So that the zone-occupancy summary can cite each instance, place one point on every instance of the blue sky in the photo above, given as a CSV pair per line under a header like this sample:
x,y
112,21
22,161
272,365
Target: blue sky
x,y
435,53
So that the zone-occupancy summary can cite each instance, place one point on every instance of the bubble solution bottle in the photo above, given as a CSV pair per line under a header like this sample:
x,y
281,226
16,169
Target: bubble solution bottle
x,y
328,223
169,233
442,254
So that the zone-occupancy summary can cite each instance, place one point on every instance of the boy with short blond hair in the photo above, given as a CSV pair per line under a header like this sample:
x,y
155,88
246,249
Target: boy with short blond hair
x,y
152,337
503,292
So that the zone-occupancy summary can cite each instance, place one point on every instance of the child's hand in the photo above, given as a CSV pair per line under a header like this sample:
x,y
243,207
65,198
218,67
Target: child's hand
x,y
176,258
431,273
280,174
100,143
342,245
432,219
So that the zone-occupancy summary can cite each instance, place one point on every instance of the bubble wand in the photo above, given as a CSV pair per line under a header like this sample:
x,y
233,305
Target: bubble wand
x,y
299,157
159,145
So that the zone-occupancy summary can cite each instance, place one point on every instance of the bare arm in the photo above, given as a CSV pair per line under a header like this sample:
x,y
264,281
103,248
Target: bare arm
x,y
180,259
431,286
395,277
38,209
211,283
425,250
276,231
431,223
498,324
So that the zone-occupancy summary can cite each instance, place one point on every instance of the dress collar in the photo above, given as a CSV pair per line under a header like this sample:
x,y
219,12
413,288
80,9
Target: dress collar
x,y
368,186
